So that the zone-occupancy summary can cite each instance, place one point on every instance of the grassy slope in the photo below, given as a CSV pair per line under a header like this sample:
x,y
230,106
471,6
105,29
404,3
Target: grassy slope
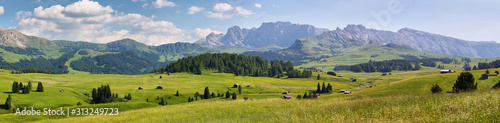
x,y
390,93
465,107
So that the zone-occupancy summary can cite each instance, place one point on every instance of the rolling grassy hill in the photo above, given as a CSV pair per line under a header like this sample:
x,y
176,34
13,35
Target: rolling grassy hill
x,y
402,96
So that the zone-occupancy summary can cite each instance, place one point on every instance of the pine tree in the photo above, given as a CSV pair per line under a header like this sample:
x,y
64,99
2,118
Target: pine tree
x,y
323,88
234,96
162,102
8,103
305,95
15,87
177,94
129,97
465,82
487,71
239,89
228,94
318,77
26,90
314,95
213,95
319,88
206,94
299,96
29,85
39,88
147,100
189,99
79,104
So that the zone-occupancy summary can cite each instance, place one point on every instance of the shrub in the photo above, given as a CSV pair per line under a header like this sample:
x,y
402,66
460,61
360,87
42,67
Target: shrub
x,y
436,89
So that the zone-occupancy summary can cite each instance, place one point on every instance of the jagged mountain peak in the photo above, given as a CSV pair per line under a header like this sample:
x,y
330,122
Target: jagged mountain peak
x,y
280,33
353,27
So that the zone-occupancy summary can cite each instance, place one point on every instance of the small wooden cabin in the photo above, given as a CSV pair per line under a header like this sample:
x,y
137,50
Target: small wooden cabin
x,y
340,76
343,90
285,92
446,71
492,74
286,97
347,92
140,88
248,85
159,87
236,85
383,74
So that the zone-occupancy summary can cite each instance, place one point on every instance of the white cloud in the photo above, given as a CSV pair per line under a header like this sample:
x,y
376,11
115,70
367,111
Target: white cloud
x,y
86,8
23,14
138,0
1,10
218,15
258,5
242,11
222,11
70,23
221,7
162,3
194,9
145,5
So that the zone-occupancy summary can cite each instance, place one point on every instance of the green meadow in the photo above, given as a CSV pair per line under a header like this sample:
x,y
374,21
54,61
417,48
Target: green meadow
x,y
403,96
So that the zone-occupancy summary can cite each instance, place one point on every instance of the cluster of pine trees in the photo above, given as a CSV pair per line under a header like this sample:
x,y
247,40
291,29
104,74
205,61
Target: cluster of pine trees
x,y
17,86
103,95
239,65
324,89
398,64
312,95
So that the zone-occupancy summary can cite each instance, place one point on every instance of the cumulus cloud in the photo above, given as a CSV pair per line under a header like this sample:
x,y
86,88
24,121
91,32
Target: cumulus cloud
x,y
242,11
23,14
86,8
194,9
222,11
218,15
162,3
138,0
221,7
1,10
258,5
71,23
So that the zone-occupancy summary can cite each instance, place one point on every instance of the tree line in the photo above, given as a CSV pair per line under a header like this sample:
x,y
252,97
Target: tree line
x,y
240,65
397,64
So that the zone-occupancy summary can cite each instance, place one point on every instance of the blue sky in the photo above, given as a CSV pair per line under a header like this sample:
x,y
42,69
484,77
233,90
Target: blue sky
x,y
156,22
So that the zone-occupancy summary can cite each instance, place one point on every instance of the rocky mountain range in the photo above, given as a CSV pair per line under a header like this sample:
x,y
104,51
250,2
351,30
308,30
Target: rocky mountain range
x,y
281,34
357,35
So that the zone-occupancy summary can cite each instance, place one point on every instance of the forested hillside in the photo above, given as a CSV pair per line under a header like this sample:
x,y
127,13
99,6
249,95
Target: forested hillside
x,y
240,65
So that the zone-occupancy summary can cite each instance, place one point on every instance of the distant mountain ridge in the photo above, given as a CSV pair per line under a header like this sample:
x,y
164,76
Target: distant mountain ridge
x,y
281,34
357,35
